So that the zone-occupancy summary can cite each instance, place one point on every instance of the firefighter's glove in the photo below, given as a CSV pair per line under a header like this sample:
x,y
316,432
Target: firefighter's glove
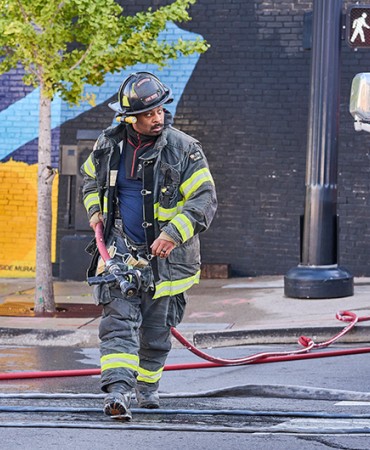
x,y
95,219
163,245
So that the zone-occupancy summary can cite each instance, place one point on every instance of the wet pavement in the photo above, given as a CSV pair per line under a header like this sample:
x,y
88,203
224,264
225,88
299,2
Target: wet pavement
x,y
301,400
262,398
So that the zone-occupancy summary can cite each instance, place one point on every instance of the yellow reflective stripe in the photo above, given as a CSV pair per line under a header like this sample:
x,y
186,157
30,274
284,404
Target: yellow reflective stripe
x,y
184,226
148,376
166,214
118,365
89,167
193,183
91,200
117,360
167,288
105,204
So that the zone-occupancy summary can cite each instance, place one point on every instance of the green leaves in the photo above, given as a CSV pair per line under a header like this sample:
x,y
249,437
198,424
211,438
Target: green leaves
x,y
64,44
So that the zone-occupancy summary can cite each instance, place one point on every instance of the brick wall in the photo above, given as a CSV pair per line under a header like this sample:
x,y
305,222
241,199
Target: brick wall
x,y
247,102
18,219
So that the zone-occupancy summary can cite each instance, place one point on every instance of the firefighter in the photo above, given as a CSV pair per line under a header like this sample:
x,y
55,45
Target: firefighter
x,y
150,185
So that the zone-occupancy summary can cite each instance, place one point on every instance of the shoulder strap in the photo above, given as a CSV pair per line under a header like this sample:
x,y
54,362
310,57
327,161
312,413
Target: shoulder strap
x,y
148,201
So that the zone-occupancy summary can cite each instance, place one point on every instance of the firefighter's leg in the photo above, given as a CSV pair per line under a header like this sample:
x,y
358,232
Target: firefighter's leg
x,y
119,344
158,316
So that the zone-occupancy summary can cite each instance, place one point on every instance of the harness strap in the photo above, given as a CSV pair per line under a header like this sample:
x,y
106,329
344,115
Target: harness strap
x,y
148,201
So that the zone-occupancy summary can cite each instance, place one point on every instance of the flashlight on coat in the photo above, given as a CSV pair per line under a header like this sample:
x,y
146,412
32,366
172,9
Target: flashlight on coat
x,y
128,119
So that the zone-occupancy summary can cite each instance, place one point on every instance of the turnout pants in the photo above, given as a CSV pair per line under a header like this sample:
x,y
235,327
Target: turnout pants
x,y
135,334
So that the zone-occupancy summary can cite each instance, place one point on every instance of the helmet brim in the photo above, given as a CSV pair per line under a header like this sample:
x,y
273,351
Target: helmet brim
x,y
117,107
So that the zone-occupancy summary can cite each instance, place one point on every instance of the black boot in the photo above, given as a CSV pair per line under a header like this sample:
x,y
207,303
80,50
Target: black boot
x,y
117,402
147,395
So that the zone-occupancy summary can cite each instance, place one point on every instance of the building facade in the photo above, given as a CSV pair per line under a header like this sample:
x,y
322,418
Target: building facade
x,y
246,100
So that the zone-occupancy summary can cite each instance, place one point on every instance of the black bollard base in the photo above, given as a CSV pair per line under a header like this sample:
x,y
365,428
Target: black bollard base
x,y
318,282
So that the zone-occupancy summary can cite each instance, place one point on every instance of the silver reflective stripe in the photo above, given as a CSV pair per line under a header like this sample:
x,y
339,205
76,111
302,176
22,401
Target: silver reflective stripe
x,y
118,360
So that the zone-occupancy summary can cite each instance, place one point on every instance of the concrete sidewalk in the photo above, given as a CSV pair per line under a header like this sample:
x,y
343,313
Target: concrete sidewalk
x,y
223,312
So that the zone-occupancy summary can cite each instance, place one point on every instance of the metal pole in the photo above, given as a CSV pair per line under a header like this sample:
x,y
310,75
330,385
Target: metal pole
x,y
318,275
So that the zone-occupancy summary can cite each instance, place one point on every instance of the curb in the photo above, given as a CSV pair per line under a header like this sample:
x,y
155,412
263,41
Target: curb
x,y
231,338
207,339
28,337
46,337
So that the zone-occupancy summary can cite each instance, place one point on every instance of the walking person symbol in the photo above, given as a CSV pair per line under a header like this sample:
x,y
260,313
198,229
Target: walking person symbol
x,y
358,25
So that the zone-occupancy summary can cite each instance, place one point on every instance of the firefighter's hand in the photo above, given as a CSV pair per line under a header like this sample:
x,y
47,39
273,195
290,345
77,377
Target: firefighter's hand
x,y
95,219
162,247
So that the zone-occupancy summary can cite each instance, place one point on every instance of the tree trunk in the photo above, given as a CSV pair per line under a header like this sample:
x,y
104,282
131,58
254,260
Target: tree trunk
x,y
44,290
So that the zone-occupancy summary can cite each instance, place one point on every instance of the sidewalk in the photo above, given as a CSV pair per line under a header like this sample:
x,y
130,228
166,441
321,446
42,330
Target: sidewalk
x,y
235,311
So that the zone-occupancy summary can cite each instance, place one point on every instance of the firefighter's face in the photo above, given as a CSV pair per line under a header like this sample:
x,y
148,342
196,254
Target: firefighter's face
x,y
150,122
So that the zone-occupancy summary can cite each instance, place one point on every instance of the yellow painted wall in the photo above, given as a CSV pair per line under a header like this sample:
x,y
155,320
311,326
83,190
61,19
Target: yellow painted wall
x,y
18,214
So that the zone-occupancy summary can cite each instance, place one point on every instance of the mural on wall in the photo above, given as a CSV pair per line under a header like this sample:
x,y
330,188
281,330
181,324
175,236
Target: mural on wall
x,y
18,151
18,202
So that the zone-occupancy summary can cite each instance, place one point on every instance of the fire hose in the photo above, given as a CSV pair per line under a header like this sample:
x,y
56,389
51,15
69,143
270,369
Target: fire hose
x,y
306,342
129,282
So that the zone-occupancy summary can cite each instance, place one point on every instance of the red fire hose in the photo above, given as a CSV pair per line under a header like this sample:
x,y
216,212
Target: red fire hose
x,y
99,237
266,357
185,366
307,343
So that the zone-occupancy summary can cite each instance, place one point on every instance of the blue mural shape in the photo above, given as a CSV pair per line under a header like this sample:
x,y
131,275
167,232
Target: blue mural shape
x,y
19,121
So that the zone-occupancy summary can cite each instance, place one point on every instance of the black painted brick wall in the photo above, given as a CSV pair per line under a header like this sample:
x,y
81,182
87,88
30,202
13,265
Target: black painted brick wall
x,y
247,102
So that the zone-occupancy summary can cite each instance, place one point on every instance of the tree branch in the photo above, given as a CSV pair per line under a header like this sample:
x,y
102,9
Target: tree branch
x,y
28,18
82,57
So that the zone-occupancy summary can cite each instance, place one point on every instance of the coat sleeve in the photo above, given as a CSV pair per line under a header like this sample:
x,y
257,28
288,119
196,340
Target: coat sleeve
x,y
90,190
198,193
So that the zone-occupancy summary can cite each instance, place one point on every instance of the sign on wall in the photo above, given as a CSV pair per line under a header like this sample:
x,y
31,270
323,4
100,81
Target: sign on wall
x,y
358,26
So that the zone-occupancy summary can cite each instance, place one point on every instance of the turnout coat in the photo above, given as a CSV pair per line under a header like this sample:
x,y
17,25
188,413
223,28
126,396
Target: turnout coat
x,y
179,198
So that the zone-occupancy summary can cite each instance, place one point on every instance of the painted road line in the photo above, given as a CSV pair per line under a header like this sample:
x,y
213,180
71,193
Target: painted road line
x,y
351,403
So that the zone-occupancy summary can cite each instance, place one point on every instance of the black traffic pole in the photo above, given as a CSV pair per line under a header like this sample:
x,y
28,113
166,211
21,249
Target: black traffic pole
x,y
318,274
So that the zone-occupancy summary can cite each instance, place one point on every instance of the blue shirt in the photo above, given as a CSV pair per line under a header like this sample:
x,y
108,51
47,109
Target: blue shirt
x,y
130,203
129,185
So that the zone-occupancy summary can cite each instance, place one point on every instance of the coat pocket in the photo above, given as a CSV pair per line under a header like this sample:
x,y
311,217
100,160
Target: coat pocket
x,y
169,186
186,253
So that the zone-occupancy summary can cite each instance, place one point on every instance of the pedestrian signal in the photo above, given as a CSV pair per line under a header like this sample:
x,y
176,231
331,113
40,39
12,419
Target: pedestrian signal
x,y
358,26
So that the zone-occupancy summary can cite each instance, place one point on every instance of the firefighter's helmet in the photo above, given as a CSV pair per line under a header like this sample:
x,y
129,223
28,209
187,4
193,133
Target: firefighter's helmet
x,y
141,92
